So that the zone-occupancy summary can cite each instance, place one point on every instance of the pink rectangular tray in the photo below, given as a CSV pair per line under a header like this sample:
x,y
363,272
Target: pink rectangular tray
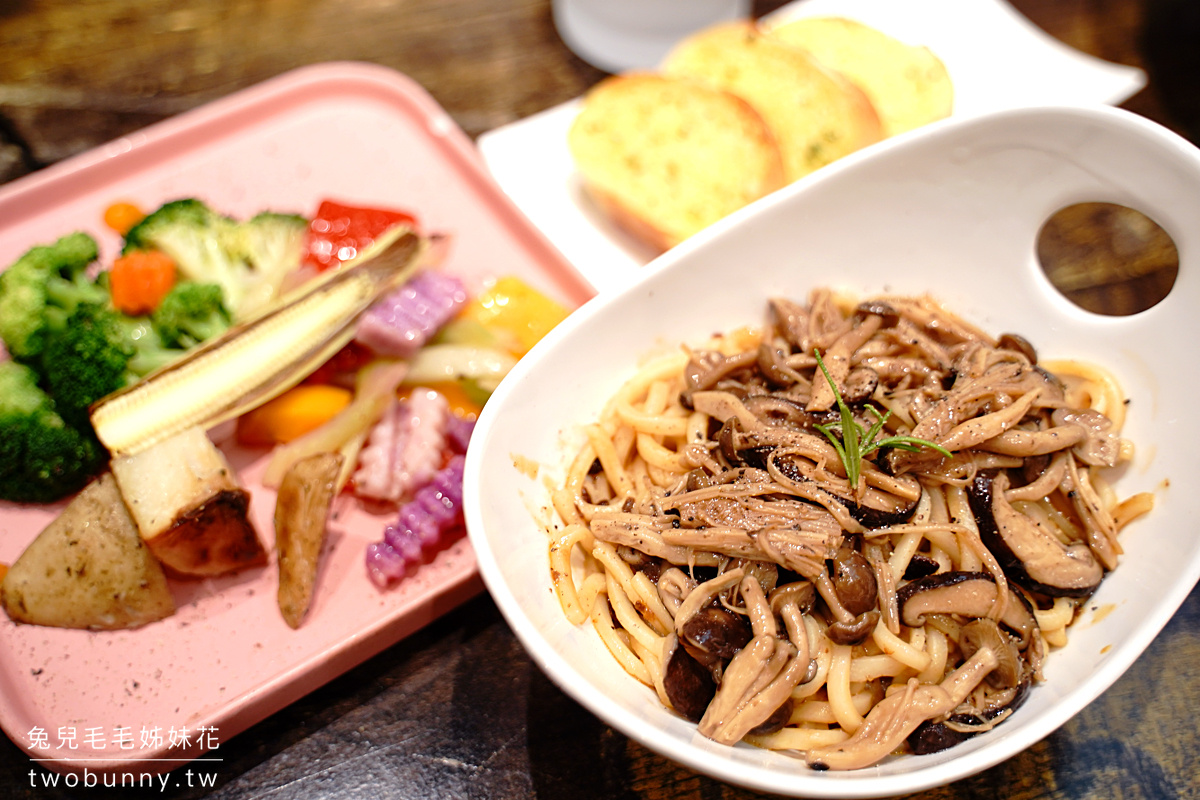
x,y
169,692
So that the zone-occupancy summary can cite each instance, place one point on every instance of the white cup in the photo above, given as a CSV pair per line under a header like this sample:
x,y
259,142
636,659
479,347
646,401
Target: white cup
x,y
622,35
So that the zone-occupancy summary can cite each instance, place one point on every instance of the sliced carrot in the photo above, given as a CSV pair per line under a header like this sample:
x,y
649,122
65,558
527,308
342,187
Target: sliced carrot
x,y
122,216
292,414
140,280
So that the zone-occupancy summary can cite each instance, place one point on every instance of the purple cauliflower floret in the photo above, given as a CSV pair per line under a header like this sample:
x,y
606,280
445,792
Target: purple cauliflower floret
x,y
435,509
403,321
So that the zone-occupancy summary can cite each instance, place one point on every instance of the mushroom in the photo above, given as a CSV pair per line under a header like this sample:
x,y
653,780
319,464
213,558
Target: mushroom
x,y
737,453
801,594
714,634
860,385
972,411
708,367
853,580
773,365
703,595
688,684
758,680
882,509
801,551
775,409
1099,446
723,406
1009,682
985,633
837,363
790,319
1019,344
920,566
859,588
1023,443
790,602
889,317
1031,554
966,594
673,585
855,631
894,718
933,736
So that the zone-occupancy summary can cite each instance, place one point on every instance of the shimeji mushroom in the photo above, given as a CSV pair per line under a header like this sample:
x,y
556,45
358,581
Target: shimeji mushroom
x,y
758,681
731,681
988,653
687,679
851,595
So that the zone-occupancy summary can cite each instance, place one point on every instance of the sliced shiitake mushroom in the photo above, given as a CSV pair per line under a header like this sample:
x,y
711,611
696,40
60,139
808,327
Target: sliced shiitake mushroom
x,y
920,566
881,510
1031,555
859,386
967,594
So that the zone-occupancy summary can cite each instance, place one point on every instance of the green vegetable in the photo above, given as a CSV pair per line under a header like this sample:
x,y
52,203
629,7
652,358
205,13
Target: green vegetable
x,y
96,352
485,367
42,288
853,444
42,458
191,313
249,260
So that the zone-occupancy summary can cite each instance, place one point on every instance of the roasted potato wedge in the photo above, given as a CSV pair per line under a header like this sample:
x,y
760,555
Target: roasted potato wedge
x,y
88,569
301,514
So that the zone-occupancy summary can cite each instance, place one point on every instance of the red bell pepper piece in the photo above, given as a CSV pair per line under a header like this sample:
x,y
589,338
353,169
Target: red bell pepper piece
x,y
338,232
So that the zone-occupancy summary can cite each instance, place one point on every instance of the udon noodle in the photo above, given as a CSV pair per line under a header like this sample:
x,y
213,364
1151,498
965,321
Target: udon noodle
x,y
738,556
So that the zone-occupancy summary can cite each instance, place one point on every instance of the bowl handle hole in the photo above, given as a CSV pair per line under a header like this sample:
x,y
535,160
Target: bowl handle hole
x,y
1107,258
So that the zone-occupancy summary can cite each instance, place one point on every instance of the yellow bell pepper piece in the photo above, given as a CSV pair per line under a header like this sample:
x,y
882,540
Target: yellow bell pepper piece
x,y
513,306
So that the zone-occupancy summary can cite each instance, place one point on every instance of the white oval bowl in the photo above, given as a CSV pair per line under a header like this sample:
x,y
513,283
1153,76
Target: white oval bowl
x,y
953,211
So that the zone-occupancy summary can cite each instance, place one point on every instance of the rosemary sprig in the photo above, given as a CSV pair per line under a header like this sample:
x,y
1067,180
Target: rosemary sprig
x,y
854,444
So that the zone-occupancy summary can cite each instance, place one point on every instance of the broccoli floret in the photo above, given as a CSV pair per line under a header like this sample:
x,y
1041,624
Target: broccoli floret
x,y
42,458
97,352
271,241
191,313
248,260
272,244
43,287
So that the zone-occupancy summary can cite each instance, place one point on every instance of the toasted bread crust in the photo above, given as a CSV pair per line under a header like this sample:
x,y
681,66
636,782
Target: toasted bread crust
x,y
907,84
665,157
817,115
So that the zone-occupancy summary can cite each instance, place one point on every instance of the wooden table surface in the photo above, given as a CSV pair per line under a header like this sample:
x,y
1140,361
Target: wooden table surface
x,y
458,709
